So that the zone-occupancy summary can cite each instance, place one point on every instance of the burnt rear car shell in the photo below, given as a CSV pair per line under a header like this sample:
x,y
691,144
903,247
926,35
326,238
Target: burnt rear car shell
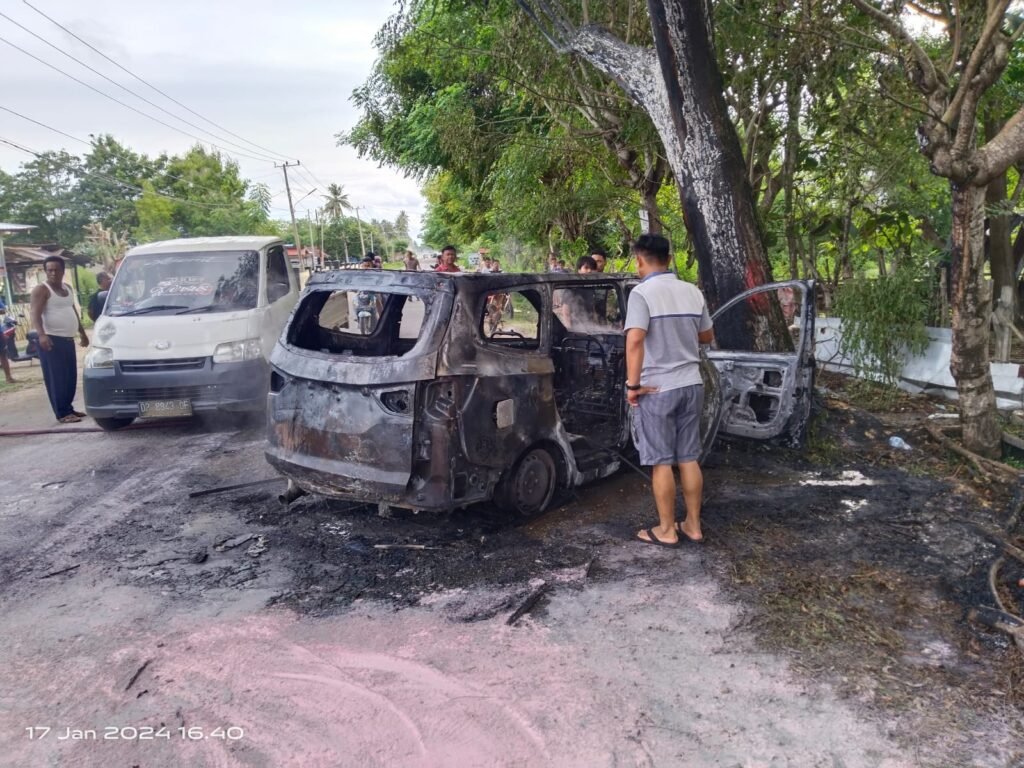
x,y
343,399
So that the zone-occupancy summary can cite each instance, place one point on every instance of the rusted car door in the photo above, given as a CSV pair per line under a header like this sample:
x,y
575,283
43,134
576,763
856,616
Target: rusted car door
x,y
767,385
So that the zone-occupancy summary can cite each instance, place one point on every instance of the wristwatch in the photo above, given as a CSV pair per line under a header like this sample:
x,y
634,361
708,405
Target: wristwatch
x,y
633,387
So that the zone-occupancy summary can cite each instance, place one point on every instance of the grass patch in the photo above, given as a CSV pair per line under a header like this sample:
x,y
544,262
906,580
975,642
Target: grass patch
x,y
16,386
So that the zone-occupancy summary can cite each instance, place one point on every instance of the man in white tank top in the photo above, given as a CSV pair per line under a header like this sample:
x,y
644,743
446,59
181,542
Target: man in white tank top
x,y
56,320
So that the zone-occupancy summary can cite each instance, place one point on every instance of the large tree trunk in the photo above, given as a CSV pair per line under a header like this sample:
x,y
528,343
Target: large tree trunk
x,y
1000,250
649,195
714,190
791,148
972,306
680,87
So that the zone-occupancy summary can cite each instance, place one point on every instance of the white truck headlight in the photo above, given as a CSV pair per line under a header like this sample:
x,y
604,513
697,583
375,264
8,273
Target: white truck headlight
x,y
238,351
99,357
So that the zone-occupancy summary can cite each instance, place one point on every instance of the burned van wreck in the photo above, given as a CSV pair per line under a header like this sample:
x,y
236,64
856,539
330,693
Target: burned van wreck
x,y
434,391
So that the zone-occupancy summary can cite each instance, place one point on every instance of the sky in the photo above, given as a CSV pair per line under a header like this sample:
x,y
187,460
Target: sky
x,y
277,74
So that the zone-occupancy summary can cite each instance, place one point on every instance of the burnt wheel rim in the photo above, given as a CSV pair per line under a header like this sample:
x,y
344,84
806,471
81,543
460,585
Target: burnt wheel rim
x,y
534,482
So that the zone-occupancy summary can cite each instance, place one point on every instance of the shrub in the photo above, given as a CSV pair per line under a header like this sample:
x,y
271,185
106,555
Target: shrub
x,y
883,322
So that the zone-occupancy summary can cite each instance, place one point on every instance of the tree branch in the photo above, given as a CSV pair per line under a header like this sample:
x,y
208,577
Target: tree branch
x,y
954,55
557,20
933,15
931,79
1006,148
978,55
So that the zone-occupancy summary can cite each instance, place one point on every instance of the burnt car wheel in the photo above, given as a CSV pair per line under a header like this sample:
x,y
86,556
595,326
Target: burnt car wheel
x,y
529,487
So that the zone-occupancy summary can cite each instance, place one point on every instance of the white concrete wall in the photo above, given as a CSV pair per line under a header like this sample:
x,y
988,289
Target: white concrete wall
x,y
926,373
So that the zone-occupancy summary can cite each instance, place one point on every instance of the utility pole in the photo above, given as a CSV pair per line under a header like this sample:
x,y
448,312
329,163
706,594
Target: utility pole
x,y
362,243
320,223
312,240
288,189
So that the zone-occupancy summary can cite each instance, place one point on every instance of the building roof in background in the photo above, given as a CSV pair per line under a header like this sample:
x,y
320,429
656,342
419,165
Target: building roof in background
x,y
37,254
7,229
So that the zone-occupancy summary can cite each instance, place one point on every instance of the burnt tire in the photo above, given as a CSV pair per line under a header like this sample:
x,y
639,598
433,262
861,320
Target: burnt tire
x,y
527,489
112,425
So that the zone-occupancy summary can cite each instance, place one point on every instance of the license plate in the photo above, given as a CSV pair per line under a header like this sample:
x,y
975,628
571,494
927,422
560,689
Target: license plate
x,y
163,409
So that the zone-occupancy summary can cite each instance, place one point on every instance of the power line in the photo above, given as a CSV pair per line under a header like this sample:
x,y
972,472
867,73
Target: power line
x,y
124,184
147,83
127,106
307,180
318,182
130,91
44,125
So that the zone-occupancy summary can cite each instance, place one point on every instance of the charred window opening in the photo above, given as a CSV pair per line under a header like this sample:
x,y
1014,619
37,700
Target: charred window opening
x,y
764,311
357,323
511,319
589,355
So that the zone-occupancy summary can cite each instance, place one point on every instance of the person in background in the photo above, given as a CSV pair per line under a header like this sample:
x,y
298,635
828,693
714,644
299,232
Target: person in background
x,y
377,263
486,265
552,263
585,265
666,322
369,261
56,320
495,266
447,261
95,308
410,262
4,362
600,258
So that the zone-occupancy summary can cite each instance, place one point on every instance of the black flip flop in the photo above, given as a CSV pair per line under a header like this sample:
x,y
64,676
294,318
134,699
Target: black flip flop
x,y
684,535
655,540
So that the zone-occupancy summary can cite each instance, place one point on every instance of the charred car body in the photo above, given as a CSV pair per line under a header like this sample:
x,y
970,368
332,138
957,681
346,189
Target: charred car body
x,y
434,391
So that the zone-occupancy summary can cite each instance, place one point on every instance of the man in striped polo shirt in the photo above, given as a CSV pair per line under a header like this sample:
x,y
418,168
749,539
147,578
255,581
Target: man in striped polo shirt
x,y
666,322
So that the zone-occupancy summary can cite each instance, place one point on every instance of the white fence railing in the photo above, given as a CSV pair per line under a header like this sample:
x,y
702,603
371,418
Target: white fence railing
x,y
928,373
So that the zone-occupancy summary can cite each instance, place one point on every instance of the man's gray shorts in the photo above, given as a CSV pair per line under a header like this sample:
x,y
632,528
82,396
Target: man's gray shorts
x,y
666,426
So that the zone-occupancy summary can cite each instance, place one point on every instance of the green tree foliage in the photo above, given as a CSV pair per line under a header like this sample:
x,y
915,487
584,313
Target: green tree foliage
x,y
130,195
155,214
464,92
884,321
336,202
42,194
109,181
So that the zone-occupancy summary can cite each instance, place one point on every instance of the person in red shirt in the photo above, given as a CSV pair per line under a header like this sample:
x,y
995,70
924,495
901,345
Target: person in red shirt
x,y
447,262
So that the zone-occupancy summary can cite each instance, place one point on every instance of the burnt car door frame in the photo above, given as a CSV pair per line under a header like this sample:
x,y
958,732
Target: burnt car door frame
x,y
507,419
604,356
768,395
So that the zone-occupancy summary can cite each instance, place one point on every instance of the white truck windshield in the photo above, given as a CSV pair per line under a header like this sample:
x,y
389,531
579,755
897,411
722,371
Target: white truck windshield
x,y
176,283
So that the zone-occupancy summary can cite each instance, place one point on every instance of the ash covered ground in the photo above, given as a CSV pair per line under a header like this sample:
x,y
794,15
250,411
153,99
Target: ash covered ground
x,y
824,622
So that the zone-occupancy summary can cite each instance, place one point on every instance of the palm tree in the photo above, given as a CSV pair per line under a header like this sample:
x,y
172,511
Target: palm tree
x,y
336,202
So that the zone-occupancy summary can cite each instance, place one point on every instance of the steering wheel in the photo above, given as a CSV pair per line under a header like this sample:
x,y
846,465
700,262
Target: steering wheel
x,y
508,332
